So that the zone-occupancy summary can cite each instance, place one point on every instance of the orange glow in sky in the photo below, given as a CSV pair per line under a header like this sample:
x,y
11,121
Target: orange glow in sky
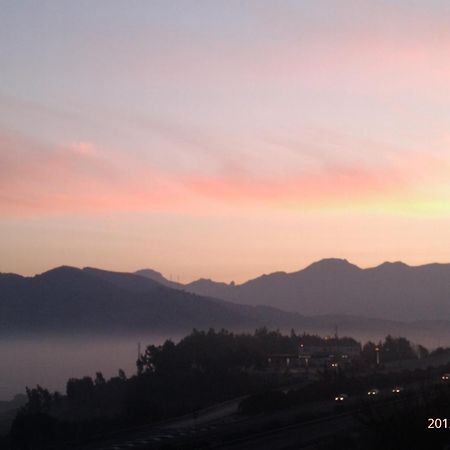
x,y
223,140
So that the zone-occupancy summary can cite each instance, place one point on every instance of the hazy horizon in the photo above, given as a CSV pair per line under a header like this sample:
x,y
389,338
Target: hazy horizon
x,y
172,276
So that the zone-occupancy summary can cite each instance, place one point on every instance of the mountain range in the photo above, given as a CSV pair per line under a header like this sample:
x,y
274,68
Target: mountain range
x,y
369,303
68,299
393,291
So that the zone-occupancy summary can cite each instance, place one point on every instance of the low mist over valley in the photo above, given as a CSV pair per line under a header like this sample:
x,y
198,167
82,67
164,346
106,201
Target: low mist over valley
x,y
392,298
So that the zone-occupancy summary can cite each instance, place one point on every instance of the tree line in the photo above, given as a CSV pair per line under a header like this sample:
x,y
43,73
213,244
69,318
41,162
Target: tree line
x,y
171,379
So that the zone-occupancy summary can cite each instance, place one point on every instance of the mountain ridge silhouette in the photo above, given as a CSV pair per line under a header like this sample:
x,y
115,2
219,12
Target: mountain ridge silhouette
x,y
391,290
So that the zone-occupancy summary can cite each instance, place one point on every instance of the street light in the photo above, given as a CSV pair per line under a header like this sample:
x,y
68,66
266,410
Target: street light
x,y
377,351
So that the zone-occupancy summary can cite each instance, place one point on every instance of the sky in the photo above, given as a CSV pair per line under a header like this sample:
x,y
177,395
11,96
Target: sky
x,y
223,139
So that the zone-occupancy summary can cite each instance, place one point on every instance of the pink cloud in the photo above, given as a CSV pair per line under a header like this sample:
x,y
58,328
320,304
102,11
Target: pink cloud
x,y
37,178
80,178
83,148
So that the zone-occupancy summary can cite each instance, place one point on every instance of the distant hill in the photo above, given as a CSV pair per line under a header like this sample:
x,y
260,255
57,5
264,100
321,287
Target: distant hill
x,y
68,299
393,291
94,301
158,277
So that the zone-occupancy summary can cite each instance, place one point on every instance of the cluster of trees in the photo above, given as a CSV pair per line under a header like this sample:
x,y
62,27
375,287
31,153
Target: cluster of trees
x,y
213,351
172,379
392,349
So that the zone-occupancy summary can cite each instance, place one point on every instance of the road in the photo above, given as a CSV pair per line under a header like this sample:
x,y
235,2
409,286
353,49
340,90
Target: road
x,y
220,427
298,436
220,424
173,429
220,436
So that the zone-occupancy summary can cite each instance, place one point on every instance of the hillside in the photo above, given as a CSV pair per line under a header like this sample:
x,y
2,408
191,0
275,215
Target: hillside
x,y
68,299
393,291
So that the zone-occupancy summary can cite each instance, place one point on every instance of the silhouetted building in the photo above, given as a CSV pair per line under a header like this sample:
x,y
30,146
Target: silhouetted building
x,y
328,352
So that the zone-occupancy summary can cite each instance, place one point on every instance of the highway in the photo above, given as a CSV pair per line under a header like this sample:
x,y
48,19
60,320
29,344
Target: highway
x,y
221,427
277,430
304,435
299,435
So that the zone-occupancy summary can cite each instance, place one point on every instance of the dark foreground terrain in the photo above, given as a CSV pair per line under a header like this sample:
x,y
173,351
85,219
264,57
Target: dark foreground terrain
x,y
248,391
